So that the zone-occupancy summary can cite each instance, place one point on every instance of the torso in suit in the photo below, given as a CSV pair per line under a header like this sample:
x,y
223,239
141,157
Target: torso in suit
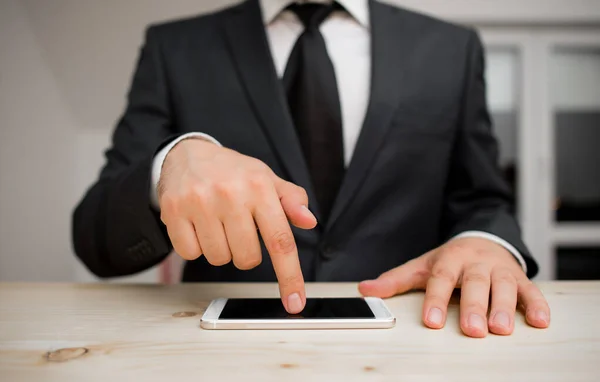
x,y
422,171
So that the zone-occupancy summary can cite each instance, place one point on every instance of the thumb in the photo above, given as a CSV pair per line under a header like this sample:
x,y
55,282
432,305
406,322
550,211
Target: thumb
x,y
294,201
412,275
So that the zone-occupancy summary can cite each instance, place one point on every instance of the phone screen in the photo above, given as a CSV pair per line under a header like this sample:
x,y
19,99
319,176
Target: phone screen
x,y
272,308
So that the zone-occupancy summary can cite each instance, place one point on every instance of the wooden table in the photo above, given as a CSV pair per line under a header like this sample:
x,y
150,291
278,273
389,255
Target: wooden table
x,y
151,333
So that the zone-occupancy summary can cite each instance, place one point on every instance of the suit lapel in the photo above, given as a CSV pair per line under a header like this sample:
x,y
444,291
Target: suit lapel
x,y
392,41
250,49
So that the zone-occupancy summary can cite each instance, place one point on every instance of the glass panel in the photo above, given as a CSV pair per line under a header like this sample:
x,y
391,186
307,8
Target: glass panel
x,y
575,87
503,68
578,263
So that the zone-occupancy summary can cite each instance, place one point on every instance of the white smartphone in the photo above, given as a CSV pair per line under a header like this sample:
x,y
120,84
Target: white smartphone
x,y
319,313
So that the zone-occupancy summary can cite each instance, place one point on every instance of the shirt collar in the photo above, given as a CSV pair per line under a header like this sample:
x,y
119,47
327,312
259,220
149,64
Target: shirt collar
x,y
359,9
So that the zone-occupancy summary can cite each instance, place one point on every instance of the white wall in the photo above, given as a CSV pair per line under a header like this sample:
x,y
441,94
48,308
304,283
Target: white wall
x,y
35,157
65,67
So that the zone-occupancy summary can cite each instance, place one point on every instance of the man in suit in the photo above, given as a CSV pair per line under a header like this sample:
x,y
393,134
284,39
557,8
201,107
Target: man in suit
x,y
348,141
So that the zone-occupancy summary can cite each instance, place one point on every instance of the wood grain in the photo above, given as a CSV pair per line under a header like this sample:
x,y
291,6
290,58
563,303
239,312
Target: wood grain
x,y
95,332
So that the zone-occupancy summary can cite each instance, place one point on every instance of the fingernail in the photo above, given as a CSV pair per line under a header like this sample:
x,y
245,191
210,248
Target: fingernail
x,y
367,282
502,319
476,322
367,287
307,211
541,316
294,303
435,316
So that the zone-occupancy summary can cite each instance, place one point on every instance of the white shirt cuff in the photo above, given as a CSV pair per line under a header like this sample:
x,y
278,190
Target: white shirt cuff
x,y
159,159
509,247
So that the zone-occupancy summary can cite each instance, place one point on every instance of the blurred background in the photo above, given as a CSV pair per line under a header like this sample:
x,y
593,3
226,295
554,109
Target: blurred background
x,y
66,65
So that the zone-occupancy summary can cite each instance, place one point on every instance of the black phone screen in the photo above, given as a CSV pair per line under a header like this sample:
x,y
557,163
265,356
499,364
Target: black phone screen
x,y
272,308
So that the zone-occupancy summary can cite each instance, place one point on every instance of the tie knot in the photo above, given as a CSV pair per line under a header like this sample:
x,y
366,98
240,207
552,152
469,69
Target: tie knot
x,y
312,14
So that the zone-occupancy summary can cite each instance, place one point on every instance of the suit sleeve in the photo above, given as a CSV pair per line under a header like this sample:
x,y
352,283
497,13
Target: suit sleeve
x,y
115,230
478,198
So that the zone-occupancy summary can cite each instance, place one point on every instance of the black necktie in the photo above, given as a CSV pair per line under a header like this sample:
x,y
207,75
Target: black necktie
x,y
314,103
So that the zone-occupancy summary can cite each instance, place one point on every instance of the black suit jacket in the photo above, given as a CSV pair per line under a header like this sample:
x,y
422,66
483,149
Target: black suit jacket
x,y
424,168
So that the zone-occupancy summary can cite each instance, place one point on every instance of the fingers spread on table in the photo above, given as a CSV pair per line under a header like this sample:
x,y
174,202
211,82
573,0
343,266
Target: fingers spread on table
x,y
504,301
537,311
412,275
475,294
441,284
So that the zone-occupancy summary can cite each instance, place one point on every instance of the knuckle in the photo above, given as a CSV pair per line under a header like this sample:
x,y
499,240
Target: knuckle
x,y
189,255
475,307
505,276
257,167
248,263
443,273
247,254
448,254
217,256
198,194
477,277
229,190
261,167
255,262
168,204
283,243
187,252
463,250
219,260
422,273
258,181
457,246
436,299
528,287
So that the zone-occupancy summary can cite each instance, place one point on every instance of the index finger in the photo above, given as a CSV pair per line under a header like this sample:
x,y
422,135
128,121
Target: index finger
x,y
279,240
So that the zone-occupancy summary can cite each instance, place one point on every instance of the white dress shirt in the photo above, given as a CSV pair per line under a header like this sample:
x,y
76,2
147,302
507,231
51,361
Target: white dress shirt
x,y
347,38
